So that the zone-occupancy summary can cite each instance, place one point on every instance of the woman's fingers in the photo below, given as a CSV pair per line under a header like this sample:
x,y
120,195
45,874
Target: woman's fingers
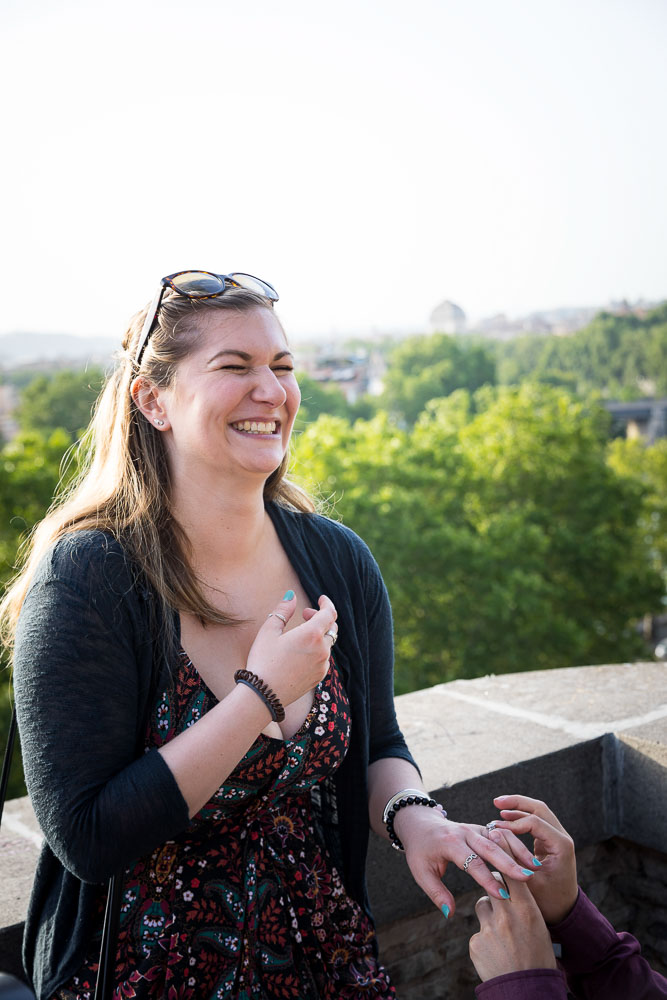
x,y
518,849
281,614
429,879
322,622
489,852
294,660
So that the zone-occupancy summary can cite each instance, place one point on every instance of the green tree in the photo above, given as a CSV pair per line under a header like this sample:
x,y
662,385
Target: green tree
x,y
506,540
648,465
30,469
617,356
61,400
430,367
317,398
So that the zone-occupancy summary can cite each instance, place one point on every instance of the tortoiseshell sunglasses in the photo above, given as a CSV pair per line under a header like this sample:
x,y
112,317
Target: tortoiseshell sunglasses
x,y
200,285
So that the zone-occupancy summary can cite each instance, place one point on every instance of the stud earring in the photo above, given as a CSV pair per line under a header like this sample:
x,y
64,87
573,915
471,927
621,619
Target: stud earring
x,y
160,423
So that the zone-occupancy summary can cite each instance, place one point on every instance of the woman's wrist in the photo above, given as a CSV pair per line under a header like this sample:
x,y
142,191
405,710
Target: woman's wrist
x,y
408,802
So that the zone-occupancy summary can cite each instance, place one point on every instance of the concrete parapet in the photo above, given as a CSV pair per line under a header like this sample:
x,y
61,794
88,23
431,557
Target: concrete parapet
x,y
591,741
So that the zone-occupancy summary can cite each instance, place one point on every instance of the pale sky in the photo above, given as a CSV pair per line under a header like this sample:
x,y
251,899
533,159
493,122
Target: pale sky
x,y
369,158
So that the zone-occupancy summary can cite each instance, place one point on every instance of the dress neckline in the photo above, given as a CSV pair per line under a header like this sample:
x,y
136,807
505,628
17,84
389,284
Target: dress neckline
x,y
312,712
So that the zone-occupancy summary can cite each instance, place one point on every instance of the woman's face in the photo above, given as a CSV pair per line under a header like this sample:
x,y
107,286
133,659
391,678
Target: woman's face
x,y
232,405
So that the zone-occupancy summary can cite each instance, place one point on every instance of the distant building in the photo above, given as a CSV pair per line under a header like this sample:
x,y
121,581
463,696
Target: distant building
x,y
351,373
447,318
560,322
641,419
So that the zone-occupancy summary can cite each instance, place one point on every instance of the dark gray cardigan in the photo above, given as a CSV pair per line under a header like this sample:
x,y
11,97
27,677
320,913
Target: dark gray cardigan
x,y
88,661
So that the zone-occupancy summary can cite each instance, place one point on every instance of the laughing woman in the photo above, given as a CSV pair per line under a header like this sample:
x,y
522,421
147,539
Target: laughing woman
x,y
183,717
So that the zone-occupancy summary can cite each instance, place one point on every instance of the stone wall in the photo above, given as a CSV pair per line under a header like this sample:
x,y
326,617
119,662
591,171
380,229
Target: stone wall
x,y
591,741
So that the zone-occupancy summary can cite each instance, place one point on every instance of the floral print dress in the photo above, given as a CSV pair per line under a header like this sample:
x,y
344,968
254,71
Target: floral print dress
x,y
246,903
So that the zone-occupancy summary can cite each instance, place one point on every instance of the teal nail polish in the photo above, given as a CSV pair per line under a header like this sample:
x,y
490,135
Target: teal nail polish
x,y
526,871
537,862
445,910
504,894
289,594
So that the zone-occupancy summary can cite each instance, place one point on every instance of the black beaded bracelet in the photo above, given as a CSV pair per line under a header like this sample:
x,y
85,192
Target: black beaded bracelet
x,y
409,800
260,687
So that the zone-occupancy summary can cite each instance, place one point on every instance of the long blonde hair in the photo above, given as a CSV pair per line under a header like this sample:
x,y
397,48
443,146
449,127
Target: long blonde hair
x,y
122,486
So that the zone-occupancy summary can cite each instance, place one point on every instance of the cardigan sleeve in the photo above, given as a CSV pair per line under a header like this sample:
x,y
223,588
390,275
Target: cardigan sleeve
x,y
598,962
80,646
385,736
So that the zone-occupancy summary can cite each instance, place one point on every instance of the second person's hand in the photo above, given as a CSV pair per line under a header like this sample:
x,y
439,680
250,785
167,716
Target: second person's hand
x,y
512,935
556,892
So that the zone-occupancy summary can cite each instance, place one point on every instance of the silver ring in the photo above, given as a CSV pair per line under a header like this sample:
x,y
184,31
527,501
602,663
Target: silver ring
x,y
277,614
492,825
471,857
334,637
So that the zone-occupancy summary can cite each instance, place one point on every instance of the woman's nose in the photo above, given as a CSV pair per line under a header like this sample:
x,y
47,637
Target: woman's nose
x,y
267,388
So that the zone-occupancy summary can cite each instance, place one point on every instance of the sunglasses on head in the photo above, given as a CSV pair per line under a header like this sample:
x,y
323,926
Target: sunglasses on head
x,y
200,285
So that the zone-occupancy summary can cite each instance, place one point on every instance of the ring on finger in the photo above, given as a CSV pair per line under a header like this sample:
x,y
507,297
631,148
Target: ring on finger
x,y
277,614
492,825
471,857
334,636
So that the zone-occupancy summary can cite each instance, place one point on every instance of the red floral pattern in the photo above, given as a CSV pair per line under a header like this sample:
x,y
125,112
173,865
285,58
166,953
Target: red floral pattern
x,y
246,903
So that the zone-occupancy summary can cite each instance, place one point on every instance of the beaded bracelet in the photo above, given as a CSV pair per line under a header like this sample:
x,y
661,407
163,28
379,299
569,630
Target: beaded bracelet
x,y
408,797
260,687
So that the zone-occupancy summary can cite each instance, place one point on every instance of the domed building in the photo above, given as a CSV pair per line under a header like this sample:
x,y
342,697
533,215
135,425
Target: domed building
x,y
447,318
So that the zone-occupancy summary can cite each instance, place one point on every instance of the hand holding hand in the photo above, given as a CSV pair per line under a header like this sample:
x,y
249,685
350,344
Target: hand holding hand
x,y
431,842
294,661
556,892
512,935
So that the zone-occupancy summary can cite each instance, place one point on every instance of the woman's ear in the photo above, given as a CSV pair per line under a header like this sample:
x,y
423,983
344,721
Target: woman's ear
x,y
147,399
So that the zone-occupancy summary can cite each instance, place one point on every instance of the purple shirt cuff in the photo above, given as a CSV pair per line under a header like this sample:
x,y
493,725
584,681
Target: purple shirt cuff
x,y
600,962
531,984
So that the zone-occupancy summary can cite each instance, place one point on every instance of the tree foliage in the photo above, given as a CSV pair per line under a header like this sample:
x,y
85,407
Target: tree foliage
x,y
64,399
636,462
506,539
430,367
618,356
29,474
318,398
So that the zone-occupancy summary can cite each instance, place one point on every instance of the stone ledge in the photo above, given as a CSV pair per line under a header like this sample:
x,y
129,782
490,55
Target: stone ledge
x,y
592,741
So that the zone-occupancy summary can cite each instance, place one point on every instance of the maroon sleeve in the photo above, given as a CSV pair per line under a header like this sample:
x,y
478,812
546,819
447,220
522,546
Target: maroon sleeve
x,y
532,984
598,962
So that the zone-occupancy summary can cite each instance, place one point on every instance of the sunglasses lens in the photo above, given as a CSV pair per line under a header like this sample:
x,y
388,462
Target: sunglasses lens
x,y
197,284
255,285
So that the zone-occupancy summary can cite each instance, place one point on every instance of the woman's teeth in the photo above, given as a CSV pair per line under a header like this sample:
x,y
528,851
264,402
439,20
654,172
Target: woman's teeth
x,y
256,426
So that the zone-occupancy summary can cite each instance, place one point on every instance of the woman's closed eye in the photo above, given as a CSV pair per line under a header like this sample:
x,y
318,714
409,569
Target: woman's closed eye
x,y
248,370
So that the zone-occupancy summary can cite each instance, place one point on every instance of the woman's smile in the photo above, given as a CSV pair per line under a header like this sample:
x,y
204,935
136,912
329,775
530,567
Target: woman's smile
x,y
257,426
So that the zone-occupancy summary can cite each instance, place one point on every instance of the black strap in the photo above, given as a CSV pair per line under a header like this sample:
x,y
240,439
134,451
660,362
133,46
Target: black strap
x,y
105,976
7,762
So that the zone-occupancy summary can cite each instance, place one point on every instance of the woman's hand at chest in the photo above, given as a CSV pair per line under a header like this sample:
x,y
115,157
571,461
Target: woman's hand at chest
x,y
291,661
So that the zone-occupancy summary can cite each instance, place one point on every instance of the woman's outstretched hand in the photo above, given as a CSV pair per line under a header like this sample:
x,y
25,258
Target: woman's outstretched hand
x,y
556,892
432,842
512,934
293,661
